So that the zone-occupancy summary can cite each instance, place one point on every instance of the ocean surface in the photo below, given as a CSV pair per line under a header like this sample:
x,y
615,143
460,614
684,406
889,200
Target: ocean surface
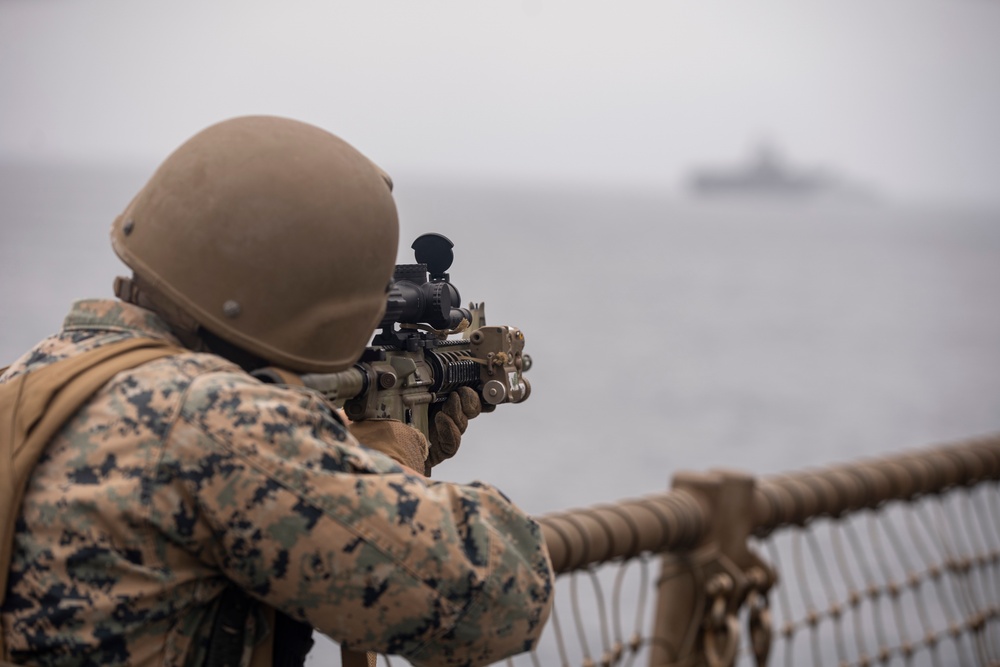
x,y
666,333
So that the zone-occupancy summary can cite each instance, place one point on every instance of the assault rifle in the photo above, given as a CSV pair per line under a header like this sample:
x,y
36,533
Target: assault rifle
x,y
411,362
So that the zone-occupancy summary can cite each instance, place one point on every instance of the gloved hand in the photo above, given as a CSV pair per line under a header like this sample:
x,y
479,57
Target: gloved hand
x,y
448,422
404,444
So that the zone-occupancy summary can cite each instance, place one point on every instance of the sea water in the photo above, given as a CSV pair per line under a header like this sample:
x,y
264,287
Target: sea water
x,y
666,333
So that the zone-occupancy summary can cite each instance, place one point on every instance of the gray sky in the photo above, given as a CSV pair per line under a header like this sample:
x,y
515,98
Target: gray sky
x,y
902,93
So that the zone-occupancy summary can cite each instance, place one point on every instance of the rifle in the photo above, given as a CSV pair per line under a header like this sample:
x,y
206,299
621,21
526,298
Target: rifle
x,y
412,364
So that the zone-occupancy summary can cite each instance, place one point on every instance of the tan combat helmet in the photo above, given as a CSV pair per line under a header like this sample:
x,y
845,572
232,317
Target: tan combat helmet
x,y
274,235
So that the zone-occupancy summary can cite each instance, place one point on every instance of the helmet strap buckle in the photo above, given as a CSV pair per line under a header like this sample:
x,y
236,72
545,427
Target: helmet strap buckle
x,y
138,292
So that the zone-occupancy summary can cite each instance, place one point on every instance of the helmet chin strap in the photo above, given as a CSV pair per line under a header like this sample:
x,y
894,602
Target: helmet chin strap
x,y
138,292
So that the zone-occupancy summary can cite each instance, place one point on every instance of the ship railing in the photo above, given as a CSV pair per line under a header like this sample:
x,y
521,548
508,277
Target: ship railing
x,y
894,560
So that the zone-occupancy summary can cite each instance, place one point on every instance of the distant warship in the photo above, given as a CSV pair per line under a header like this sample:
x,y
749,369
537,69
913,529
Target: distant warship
x,y
766,174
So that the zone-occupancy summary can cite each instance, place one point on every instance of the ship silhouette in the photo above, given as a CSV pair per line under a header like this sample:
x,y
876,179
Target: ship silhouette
x,y
768,174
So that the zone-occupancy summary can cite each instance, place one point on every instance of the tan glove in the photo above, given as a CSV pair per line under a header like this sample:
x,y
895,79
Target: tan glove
x,y
404,444
449,423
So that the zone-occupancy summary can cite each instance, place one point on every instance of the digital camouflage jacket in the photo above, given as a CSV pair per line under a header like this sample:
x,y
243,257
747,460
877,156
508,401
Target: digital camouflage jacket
x,y
185,474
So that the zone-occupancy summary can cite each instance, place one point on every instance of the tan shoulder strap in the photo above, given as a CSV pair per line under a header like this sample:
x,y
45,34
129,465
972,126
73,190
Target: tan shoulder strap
x,y
35,405
350,658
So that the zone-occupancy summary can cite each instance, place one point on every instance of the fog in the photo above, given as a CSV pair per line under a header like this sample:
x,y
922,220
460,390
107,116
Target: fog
x,y
900,95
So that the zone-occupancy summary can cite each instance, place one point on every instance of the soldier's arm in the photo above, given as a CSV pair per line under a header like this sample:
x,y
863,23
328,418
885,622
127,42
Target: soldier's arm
x,y
288,506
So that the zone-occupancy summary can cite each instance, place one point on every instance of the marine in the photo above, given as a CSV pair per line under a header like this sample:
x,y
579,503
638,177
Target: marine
x,y
189,514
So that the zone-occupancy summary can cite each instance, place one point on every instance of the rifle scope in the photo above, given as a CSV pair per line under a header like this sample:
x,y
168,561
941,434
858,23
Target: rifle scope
x,y
421,293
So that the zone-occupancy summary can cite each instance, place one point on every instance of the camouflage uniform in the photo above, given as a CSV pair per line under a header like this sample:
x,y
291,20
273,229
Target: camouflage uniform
x,y
185,473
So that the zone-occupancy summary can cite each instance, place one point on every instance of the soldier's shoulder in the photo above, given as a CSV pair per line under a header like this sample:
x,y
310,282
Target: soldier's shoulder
x,y
198,365
275,424
226,394
213,376
182,370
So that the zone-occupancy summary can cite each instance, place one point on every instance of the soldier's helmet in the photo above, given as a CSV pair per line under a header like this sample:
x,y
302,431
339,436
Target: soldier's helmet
x,y
274,235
